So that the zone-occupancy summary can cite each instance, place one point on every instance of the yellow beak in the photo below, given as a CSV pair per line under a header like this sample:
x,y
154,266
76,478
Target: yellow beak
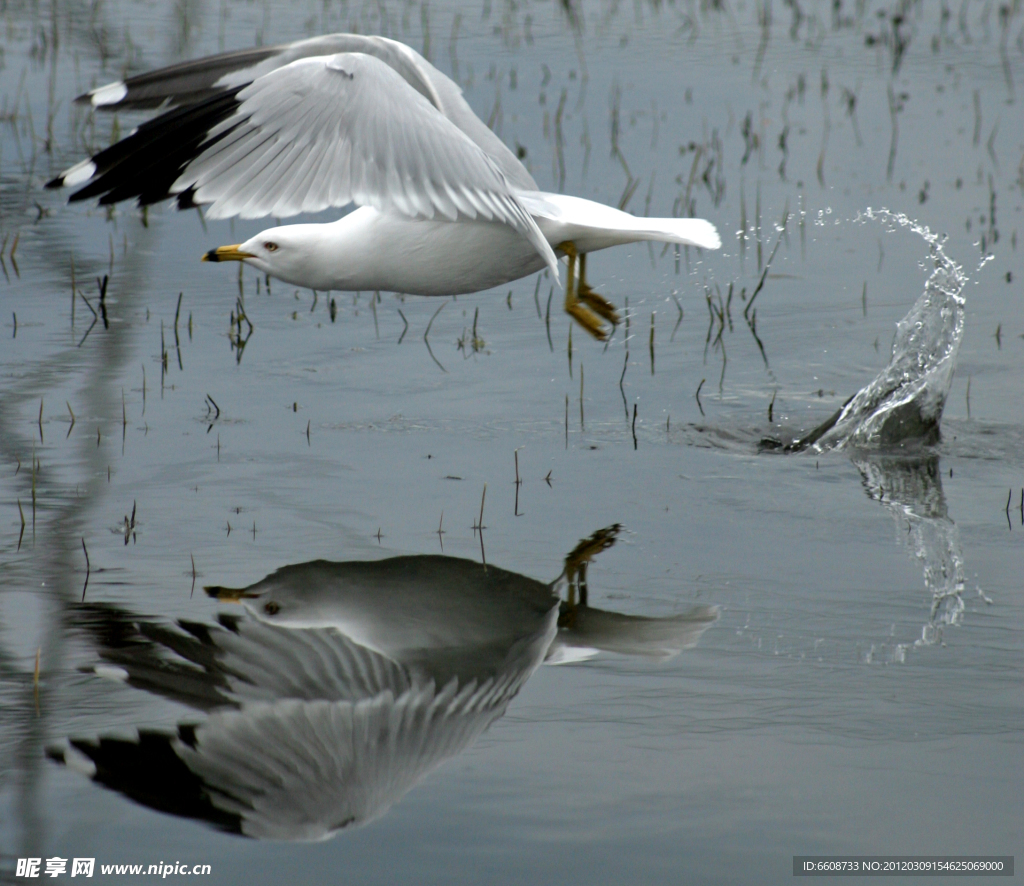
x,y
227,253
227,595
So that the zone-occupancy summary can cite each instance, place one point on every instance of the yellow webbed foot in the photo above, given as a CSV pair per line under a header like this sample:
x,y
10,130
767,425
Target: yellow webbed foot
x,y
581,302
590,322
599,305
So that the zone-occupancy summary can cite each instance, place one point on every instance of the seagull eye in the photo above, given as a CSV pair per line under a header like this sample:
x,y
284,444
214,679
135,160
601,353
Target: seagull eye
x,y
270,246
271,608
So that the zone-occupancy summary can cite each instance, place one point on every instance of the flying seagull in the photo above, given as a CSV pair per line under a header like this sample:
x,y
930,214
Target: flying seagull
x,y
444,207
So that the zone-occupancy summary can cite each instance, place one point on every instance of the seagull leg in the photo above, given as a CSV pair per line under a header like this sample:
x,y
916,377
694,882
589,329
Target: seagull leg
x,y
597,303
576,307
575,572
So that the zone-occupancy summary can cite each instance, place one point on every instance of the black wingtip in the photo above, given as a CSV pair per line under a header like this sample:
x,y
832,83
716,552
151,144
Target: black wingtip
x,y
186,199
55,183
146,163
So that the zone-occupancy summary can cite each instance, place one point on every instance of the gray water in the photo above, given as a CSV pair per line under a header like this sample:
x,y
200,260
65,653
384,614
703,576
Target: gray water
x,y
853,684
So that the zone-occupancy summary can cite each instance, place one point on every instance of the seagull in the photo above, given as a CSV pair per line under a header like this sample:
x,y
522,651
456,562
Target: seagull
x,y
443,206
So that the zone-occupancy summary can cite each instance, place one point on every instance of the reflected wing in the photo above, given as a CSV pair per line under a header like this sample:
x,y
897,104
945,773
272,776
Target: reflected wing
x,y
296,770
213,666
318,737
293,769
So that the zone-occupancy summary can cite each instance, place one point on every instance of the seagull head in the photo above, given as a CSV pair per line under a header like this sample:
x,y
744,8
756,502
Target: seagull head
x,y
273,604
283,252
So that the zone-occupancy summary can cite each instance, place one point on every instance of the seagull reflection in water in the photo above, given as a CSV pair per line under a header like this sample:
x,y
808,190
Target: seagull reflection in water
x,y
340,686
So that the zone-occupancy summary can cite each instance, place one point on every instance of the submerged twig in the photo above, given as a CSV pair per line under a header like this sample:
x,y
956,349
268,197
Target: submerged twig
x,y
177,340
680,320
547,320
426,340
764,275
478,526
622,390
88,569
652,342
894,108
519,482
95,317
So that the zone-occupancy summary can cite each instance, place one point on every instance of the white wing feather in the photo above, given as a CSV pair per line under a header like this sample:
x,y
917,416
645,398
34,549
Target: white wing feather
x,y
326,131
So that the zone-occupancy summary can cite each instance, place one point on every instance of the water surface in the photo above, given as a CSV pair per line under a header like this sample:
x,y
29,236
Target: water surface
x,y
855,687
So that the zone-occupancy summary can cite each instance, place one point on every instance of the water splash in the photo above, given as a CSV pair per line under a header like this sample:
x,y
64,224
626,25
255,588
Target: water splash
x,y
906,400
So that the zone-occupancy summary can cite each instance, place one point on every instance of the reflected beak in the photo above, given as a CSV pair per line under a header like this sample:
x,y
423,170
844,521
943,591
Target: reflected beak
x,y
227,595
227,253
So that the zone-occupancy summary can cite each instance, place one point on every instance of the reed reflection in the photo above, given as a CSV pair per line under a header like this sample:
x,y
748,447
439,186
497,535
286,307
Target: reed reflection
x,y
339,686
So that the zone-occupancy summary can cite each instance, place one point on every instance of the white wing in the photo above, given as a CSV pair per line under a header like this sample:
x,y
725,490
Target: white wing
x,y
195,80
323,132
320,132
